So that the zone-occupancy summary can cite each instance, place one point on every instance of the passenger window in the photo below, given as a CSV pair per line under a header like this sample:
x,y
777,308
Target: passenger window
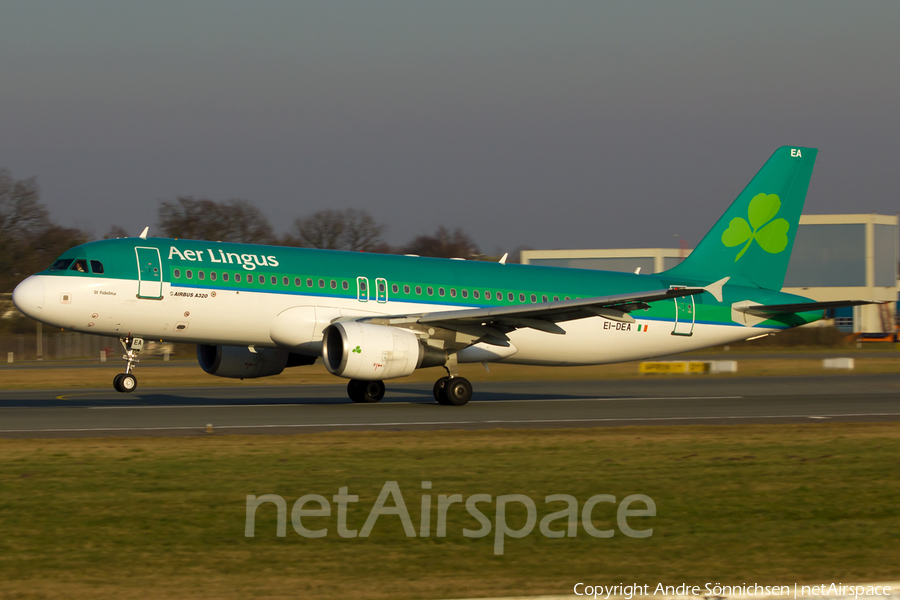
x,y
418,290
452,293
487,295
61,265
321,283
395,288
212,275
201,275
309,283
97,267
333,284
224,276
405,289
285,281
499,296
510,296
533,298
475,294
177,274
543,298
346,285
237,277
262,278
465,293
80,266
521,297
567,298
441,292
430,290
274,280
556,298
297,282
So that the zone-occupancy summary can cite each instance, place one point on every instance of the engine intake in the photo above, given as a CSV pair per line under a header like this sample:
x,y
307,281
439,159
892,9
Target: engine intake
x,y
374,352
240,363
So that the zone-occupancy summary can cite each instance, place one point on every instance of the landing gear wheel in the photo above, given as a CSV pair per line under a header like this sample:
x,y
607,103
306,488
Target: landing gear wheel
x,y
365,392
125,382
457,391
439,389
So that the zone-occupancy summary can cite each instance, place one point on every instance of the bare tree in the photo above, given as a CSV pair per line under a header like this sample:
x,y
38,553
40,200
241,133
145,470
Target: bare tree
x,y
443,244
348,229
29,241
116,231
229,221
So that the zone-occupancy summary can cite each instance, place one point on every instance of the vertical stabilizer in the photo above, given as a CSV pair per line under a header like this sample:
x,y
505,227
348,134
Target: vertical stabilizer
x,y
751,243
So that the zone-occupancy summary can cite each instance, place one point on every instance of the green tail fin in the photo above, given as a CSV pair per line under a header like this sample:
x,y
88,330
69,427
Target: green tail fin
x,y
752,241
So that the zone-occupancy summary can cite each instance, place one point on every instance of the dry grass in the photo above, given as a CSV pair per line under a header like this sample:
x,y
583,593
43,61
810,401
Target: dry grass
x,y
164,518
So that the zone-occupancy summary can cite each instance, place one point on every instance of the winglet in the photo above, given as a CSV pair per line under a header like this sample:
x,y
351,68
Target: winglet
x,y
716,288
502,261
144,233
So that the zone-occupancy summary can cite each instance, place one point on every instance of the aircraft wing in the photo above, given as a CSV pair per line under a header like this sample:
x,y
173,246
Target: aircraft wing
x,y
768,310
491,324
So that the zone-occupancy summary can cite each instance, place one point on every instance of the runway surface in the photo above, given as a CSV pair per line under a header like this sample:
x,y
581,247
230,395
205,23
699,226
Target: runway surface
x,y
307,409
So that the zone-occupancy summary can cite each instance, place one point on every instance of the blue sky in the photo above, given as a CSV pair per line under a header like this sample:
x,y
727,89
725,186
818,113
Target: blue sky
x,y
541,124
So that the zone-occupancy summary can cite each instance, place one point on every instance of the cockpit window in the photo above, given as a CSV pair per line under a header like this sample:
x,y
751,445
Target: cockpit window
x,y
80,265
61,265
97,267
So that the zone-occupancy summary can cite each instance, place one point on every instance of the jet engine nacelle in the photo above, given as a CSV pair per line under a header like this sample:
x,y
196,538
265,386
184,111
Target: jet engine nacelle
x,y
240,363
372,352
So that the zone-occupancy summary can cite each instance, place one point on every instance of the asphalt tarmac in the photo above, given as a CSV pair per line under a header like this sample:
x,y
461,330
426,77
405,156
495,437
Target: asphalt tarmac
x,y
654,400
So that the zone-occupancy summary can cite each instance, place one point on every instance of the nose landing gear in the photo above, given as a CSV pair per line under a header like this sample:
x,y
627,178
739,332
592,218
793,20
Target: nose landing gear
x,y
126,382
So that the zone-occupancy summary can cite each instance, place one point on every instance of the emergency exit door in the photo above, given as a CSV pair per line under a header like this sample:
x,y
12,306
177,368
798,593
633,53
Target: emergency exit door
x,y
684,315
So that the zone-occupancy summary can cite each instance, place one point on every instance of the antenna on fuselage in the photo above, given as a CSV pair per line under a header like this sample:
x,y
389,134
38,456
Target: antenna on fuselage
x,y
143,235
502,261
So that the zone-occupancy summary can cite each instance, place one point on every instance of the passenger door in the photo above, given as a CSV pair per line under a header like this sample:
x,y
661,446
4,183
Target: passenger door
x,y
684,315
149,273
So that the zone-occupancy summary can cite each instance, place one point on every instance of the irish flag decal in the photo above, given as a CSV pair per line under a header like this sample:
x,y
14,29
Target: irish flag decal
x,y
642,328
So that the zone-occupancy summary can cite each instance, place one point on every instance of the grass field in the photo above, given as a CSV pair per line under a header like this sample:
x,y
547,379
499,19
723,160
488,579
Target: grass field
x,y
165,517
154,375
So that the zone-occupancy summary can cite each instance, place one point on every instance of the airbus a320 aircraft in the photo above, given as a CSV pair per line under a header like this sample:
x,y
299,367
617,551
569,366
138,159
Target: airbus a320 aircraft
x,y
255,310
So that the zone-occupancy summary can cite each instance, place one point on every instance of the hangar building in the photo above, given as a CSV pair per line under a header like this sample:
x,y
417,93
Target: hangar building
x,y
835,257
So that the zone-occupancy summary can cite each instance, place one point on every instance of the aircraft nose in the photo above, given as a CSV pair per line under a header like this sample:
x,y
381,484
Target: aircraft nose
x,y
29,296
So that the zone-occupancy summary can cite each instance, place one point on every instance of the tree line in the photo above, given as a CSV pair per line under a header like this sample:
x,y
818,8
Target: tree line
x,y
30,240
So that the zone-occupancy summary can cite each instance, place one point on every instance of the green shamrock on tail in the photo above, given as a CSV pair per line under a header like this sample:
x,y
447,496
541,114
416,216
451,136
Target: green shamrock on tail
x,y
772,238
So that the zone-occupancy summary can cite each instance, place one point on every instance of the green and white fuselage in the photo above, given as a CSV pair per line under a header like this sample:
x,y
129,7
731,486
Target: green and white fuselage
x,y
254,310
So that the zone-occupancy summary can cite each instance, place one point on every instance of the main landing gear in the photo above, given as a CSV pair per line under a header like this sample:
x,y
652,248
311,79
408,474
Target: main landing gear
x,y
126,382
452,390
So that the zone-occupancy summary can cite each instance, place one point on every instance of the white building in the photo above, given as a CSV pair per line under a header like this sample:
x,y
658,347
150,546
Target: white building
x,y
835,257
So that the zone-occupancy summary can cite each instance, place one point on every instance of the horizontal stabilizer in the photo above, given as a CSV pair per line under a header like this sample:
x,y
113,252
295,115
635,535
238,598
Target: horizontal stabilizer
x,y
782,309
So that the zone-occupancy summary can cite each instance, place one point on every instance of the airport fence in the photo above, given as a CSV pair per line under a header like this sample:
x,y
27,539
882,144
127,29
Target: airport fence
x,y
56,346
